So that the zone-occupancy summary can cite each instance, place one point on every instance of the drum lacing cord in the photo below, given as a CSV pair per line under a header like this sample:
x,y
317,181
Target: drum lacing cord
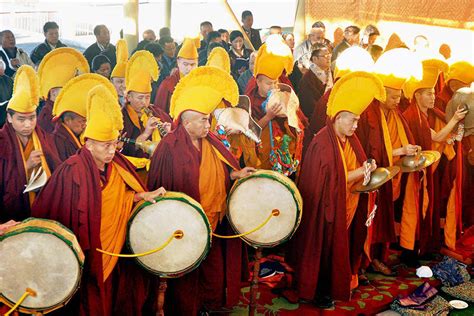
x,y
274,212
177,234
27,293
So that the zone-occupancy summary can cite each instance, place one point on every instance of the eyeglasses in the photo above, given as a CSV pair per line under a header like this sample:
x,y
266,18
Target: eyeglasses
x,y
325,56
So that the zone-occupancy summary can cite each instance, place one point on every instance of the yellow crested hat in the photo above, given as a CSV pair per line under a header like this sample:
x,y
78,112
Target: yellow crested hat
x,y
189,49
354,92
25,96
397,66
352,59
73,96
104,118
58,67
462,71
432,67
273,57
219,58
202,90
141,69
394,41
121,50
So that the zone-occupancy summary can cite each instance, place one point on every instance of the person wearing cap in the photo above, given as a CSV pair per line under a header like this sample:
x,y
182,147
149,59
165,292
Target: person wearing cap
x,y
321,247
317,81
98,189
386,137
192,160
186,61
353,59
138,125
51,42
6,90
25,148
54,71
273,60
117,77
422,98
460,75
70,111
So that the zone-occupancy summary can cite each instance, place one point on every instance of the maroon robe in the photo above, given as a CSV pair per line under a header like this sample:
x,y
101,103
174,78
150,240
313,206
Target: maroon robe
x,y
321,250
443,97
78,184
65,145
14,204
420,128
133,131
443,179
163,95
317,121
45,116
311,89
371,137
175,166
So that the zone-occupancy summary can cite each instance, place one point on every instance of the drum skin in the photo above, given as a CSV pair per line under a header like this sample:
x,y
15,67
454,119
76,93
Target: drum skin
x,y
42,255
252,199
152,224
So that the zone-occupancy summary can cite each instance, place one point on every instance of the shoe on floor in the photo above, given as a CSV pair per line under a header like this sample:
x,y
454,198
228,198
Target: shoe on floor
x,y
323,302
381,268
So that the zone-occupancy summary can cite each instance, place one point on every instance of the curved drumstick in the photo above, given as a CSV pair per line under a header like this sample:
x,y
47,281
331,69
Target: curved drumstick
x,y
28,292
274,212
177,234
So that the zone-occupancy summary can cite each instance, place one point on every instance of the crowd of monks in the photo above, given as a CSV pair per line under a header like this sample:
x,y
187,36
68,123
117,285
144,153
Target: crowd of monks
x,y
364,115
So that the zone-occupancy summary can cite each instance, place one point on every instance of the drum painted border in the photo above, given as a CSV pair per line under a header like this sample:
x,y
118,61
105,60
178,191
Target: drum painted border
x,y
181,198
269,174
68,242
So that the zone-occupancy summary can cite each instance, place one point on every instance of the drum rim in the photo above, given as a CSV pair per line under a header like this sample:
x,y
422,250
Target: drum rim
x,y
44,230
269,174
175,196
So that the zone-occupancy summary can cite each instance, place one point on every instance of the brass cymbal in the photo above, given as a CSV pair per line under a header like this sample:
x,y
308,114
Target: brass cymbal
x,y
418,162
378,177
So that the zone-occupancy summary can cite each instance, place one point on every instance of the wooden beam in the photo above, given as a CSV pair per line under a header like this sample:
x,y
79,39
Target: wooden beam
x,y
130,23
299,28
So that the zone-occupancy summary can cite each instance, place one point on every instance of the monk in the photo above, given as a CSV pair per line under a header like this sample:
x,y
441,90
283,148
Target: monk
x,y
187,60
139,124
98,188
352,59
320,250
54,71
422,95
273,117
117,76
25,148
385,137
69,113
460,75
193,161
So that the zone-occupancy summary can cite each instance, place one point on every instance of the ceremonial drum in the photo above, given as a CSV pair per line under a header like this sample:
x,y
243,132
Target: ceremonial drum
x,y
252,199
151,225
41,255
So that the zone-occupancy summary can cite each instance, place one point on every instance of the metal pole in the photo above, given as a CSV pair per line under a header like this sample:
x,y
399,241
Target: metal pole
x,y
168,6
247,41
299,28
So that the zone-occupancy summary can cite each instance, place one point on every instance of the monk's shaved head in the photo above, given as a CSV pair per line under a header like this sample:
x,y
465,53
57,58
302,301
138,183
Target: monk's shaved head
x,y
345,123
196,124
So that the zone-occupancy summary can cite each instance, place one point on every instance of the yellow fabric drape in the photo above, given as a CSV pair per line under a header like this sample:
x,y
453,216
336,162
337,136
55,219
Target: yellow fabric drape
x,y
241,145
442,147
386,137
117,204
73,137
450,224
350,163
212,189
33,144
399,139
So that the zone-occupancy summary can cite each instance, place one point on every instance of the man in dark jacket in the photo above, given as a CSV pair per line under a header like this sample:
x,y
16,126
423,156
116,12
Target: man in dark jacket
x,y
102,46
51,34
253,34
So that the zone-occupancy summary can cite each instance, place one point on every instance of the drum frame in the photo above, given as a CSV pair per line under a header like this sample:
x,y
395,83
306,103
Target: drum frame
x,y
176,196
51,231
269,174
